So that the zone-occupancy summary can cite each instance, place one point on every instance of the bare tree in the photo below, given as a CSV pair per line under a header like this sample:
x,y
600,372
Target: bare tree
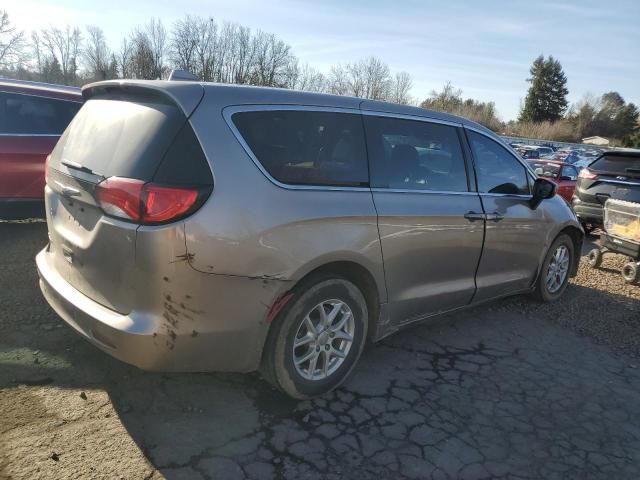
x,y
271,58
142,59
304,77
185,38
124,60
377,78
338,81
63,47
205,33
12,43
369,78
400,89
157,36
97,54
243,54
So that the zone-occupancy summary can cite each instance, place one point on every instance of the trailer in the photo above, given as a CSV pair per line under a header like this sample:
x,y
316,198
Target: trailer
x,y
621,235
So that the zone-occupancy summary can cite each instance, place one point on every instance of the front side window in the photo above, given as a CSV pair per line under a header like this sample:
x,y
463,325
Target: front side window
x,y
31,115
497,170
305,147
415,155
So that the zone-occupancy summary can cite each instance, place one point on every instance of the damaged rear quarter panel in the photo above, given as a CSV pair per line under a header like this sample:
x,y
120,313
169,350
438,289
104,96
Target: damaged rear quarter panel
x,y
203,321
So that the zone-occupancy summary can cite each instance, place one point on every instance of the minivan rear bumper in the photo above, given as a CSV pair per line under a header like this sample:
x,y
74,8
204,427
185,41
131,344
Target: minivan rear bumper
x,y
208,343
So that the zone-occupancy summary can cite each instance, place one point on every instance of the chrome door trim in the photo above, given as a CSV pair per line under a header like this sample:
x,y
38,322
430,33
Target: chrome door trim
x,y
404,116
422,192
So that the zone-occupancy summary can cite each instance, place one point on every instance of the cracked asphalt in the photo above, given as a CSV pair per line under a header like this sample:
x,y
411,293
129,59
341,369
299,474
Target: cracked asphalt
x,y
510,390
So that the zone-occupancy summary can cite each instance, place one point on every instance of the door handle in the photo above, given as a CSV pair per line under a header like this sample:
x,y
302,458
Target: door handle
x,y
495,216
473,216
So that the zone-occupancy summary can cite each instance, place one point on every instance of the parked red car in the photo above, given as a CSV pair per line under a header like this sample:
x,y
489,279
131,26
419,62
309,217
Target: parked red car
x,y
562,174
32,118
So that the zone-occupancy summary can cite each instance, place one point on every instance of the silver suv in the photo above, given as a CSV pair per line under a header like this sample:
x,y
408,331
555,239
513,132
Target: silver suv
x,y
198,227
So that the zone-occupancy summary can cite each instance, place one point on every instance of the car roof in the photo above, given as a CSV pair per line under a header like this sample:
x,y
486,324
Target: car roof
x,y
252,95
41,89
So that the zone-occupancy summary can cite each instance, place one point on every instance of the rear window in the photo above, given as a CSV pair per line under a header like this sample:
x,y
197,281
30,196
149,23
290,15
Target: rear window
x,y
32,115
306,147
617,164
126,138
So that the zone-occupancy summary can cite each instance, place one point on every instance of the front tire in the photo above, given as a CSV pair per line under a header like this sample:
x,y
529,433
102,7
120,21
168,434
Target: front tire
x,y
556,267
317,339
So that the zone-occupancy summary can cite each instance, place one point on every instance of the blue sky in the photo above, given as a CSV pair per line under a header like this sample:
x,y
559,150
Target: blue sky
x,y
485,48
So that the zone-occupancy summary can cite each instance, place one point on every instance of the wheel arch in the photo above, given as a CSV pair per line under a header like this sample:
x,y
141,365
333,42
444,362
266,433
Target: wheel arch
x,y
577,237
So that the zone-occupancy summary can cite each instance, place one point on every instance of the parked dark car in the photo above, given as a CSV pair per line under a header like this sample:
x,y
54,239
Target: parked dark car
x,y
615,174
32,118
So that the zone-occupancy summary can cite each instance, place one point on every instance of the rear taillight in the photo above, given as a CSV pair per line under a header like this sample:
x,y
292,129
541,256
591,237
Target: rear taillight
x,y
145,203
163,204
588,174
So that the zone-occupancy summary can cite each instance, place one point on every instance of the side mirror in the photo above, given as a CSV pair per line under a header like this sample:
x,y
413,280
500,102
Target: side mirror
x,y
542,189
567,178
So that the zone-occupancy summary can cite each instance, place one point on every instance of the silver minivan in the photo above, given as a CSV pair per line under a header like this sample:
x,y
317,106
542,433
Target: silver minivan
x,y
199,227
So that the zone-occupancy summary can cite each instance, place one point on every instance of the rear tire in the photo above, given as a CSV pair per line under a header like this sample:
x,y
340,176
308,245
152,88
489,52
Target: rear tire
x,y
630,272
308,352
595,257
556,267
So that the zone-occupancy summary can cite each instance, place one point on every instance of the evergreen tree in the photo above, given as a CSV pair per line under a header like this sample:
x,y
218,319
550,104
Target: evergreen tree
x,y
547,96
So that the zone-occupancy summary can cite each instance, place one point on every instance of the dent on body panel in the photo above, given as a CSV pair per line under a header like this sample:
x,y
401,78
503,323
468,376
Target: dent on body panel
x,y
191,306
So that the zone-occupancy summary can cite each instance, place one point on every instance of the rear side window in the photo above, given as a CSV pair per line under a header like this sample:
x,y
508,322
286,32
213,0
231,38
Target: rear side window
x,y
32,115
415,155
617,164
305,147
497,170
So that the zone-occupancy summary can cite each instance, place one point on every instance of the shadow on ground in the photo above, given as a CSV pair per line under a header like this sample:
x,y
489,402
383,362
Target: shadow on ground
x,y
496,392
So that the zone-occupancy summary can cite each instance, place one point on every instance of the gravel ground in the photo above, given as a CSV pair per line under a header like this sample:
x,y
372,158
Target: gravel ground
x,y
514,389
598,304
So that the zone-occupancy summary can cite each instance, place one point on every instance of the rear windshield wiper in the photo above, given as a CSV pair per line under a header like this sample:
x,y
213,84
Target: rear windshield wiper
x,y
81,168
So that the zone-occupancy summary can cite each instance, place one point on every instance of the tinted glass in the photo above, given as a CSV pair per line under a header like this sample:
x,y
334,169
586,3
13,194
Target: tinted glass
x,y
570,172
497,170
415,155
617,164
28,114
305,147
124,138
185,162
